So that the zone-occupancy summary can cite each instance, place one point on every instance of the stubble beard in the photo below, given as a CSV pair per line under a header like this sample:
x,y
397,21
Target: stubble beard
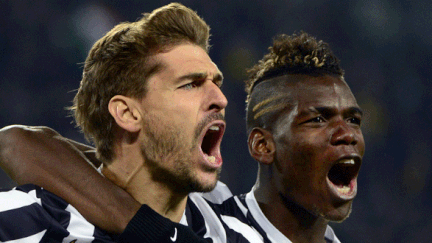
x,y
169,157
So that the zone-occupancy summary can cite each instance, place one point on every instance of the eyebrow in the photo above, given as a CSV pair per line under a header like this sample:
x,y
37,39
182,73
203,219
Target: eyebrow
x,y
356,110
218,77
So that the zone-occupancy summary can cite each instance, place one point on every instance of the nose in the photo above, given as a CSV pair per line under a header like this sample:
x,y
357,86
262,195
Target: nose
x,y
217,100
343,135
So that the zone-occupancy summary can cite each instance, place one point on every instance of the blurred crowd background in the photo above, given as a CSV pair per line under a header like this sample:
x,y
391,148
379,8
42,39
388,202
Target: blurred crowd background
x,y
385,47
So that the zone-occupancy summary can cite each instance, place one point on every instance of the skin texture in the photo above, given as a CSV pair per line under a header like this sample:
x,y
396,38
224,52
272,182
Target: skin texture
x,y
158,159
178,111
26,154
319,127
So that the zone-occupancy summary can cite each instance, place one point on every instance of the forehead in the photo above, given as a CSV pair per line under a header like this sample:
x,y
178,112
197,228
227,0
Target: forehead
x,y
326,91
184,59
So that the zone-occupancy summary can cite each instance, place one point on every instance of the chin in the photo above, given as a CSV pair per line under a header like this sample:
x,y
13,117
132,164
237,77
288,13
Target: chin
x,y
206,187
202,187
338,215
206,183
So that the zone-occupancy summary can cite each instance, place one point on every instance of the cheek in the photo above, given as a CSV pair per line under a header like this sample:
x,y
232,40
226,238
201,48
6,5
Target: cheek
x,y
293,160
307,159
185,113
304,151
180,115
361,144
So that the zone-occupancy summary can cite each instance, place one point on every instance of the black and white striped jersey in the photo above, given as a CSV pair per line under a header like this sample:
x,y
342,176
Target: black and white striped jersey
x,y
29,213
239,218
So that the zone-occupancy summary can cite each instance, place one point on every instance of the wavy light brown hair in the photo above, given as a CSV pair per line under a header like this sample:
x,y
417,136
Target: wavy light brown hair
x,y
121,62
295,54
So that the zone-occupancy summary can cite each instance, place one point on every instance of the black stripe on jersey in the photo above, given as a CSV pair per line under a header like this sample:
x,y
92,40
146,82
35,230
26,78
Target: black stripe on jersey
x,y
229,208
11,222
51,215
251,220
54,210
195,220
55,206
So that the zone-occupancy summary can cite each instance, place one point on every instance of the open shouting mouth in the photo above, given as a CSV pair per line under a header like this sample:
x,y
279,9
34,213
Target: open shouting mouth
x,y
210,144
342,177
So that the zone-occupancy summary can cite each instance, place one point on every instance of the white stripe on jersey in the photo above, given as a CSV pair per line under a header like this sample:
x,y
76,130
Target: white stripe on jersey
x,y
14,199
32,238
214,228
79,228
240,205
329,234
223,222
219,194
183,220
273,234
248,232
35,211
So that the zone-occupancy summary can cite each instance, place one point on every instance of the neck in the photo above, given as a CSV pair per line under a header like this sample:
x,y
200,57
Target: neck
x,y
290,219
131,174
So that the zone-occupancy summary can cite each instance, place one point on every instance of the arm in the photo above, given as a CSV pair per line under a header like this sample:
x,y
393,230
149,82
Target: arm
x,y
40,156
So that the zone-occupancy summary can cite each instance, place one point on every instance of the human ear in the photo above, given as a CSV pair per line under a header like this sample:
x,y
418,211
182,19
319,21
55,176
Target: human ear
x,y
261,145
125,112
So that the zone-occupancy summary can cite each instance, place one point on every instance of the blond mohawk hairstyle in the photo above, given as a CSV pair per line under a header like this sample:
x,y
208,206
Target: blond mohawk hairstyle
x,y
295,54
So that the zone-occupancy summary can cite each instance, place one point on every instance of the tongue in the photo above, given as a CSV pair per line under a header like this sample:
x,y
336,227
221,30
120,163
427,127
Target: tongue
x,y
342,191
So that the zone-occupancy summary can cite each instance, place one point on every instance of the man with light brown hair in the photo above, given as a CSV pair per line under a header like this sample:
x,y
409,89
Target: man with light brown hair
x,y
150,100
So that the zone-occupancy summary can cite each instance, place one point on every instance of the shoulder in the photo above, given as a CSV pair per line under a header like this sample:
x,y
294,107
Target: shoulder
x,y
22,215
31,214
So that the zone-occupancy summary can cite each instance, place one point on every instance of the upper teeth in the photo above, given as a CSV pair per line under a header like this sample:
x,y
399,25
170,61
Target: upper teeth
x,y
347,161
214,128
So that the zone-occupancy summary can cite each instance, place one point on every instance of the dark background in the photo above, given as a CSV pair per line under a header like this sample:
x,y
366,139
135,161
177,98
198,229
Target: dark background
x,y
385,47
